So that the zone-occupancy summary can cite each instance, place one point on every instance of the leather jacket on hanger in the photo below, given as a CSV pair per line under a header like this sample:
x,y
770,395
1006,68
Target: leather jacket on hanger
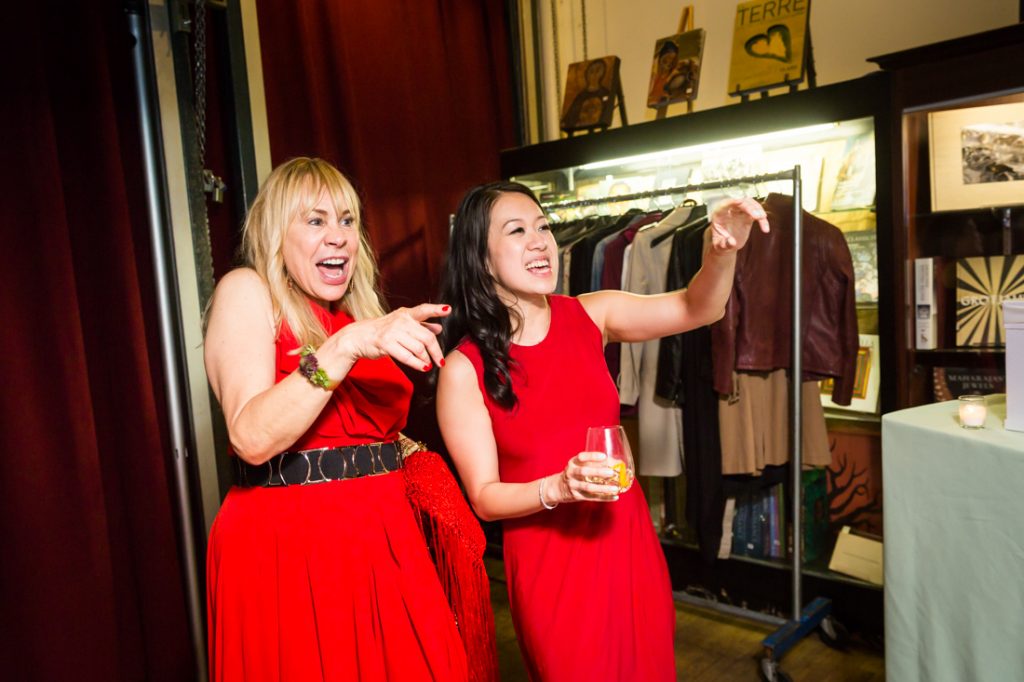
x,y
755,333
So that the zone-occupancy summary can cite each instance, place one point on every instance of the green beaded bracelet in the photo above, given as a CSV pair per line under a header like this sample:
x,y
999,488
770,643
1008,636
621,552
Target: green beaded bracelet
x,y
310,368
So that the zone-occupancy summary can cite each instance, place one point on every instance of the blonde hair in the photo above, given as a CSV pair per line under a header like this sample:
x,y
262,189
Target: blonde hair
x,y
293,189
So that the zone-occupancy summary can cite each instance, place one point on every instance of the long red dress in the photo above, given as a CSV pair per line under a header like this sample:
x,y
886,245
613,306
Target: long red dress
x,y
331,581
588,583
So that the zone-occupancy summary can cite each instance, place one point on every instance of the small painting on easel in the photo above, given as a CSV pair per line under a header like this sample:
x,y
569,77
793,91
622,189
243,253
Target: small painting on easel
x,y
591,91
675,72
769,45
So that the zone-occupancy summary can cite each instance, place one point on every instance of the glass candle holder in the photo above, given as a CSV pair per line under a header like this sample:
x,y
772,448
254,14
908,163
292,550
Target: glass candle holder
x,y
973,411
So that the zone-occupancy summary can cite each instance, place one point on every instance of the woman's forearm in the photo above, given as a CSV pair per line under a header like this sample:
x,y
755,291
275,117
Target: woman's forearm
x,y
273,420
498,500
709,290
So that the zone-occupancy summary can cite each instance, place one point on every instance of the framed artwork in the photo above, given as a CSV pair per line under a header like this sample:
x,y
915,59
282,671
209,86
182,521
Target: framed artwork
x,y
864,253
977,157
855,181
591,89
867,379
859,228
768,45
982,284
675,71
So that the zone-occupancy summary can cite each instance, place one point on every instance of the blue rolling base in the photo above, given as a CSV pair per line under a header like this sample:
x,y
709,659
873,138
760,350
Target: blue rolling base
x,y
785,638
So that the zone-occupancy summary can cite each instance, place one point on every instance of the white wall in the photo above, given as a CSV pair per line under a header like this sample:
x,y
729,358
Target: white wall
x,y
844,35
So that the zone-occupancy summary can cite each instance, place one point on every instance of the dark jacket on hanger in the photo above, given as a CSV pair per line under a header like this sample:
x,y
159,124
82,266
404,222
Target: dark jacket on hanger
x,y
686,376
756,331
675,351
582,262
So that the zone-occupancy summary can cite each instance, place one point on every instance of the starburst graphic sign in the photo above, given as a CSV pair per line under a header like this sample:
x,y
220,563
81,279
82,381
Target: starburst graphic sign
x,y
982,284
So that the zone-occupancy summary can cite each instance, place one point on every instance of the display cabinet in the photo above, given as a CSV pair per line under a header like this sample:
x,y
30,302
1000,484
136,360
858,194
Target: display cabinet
x,y
958,211
837,134
834,133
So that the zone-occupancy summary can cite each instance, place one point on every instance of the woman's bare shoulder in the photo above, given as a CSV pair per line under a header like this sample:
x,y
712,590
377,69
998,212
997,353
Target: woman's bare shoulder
x,y
241,293
242,283
457,364
241,279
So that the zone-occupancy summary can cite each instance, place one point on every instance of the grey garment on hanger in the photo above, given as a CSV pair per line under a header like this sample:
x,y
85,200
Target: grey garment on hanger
x,y
660,446
598,268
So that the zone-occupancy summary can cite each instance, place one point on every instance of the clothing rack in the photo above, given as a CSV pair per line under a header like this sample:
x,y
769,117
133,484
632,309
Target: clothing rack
x,y
684,189
818,612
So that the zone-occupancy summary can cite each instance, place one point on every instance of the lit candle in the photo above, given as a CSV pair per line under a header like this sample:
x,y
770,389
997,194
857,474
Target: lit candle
x,y
972,411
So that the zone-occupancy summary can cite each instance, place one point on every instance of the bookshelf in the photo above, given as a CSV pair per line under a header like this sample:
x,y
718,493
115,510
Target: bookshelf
x,y
957,80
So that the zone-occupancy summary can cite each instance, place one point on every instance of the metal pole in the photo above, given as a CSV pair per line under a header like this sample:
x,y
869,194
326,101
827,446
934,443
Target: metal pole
x,y
538,71
796,389
167,305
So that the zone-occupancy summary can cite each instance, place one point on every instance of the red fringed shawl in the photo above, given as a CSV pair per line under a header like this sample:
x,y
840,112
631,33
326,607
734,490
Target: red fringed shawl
x,y
457,545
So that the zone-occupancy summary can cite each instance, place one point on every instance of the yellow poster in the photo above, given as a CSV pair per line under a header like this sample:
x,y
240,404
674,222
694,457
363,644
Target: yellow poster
x,y
768,44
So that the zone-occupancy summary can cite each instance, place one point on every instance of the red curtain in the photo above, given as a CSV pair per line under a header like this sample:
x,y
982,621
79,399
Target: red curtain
x,y
413,101
90,579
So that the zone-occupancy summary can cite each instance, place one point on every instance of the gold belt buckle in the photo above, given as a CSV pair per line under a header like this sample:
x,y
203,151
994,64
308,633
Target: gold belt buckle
x,y
407,446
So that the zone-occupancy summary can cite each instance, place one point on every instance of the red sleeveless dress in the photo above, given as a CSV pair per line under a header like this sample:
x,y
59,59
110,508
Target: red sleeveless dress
x,y
331,581
588,583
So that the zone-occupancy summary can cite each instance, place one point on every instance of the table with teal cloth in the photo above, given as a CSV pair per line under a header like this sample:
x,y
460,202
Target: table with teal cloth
x,y
954,546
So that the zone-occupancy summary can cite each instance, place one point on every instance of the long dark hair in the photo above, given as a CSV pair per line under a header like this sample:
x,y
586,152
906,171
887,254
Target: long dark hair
x,y
468,286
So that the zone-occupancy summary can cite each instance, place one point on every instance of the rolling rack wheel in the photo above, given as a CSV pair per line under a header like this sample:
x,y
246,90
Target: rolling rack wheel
x,y
833,634
769,670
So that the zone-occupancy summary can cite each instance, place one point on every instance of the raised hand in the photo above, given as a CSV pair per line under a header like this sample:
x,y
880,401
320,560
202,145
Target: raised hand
x,y
404,334
731,222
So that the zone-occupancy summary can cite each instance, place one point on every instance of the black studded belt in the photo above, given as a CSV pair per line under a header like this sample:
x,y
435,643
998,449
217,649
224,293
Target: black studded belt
x,y
302,467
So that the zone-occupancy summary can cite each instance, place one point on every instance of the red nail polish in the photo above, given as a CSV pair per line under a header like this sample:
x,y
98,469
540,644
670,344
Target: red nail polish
x,y
445,308
426,368
442,362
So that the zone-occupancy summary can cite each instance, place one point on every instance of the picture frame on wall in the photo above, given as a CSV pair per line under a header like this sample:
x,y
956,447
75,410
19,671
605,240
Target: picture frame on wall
x,y
977,157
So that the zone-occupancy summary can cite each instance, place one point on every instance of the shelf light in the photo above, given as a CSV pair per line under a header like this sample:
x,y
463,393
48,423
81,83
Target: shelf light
x,y
721,144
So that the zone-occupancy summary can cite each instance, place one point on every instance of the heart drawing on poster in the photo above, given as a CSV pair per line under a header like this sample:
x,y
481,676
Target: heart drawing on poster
x,y
775,43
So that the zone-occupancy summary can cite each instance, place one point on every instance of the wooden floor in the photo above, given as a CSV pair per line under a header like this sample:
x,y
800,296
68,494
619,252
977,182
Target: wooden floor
x,y
711,646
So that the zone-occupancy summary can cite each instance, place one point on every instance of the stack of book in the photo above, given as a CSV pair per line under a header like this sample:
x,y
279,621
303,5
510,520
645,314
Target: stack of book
x,y
755,522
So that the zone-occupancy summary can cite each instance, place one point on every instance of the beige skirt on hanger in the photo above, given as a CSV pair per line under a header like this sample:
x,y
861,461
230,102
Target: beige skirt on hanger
x,y
754,424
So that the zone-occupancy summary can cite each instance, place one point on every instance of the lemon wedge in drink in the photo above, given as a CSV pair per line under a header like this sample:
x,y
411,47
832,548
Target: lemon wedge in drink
x,y
622,474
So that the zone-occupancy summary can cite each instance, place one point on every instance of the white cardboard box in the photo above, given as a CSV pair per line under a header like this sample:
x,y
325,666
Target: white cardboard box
x,y
1013,319
859,555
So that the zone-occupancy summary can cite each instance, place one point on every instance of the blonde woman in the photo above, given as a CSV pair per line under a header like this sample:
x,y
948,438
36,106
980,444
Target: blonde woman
x,y
317,569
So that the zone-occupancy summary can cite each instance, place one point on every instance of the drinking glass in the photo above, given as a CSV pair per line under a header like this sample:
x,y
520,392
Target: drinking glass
x,y
612,441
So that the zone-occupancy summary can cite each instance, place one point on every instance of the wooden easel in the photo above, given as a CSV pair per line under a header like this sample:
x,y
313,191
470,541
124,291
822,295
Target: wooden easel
x,y
685,24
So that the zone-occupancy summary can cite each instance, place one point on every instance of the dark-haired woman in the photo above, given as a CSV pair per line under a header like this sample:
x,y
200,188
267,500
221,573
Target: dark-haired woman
x,y
525,377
